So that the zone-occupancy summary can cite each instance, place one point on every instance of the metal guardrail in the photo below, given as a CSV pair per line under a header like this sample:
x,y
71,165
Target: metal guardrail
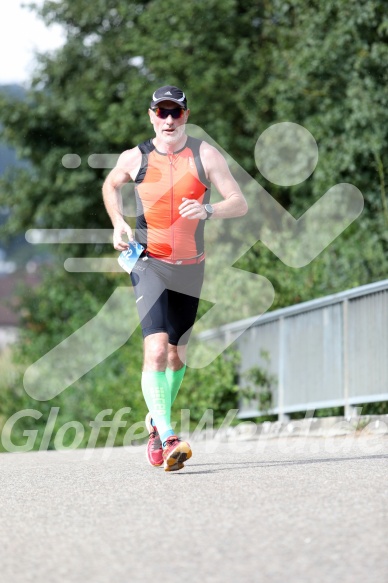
x,y
328,352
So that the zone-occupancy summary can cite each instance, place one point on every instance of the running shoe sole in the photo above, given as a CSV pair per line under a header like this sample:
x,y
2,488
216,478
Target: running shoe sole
x,y
175,467
175,460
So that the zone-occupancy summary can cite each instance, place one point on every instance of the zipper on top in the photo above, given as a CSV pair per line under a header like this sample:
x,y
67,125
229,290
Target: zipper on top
x,y
171,159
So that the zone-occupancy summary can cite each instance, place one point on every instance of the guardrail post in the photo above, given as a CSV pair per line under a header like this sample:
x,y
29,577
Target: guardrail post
x,y
345,356
282,416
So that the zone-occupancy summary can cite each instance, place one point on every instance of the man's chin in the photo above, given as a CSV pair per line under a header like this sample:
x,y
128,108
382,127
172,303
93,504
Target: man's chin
x,y
172,137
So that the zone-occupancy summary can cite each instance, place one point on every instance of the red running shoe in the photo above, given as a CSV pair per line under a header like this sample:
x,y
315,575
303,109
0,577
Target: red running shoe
x,y
154,447
175,453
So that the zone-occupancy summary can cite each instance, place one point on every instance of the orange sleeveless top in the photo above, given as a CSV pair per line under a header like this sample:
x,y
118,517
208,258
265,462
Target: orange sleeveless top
x,y
161,184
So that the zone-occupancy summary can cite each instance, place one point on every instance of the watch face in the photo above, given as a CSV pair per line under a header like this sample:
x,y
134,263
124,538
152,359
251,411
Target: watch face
x,y
208,208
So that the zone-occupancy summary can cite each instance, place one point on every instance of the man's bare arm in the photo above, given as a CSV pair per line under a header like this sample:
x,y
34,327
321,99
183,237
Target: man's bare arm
x,y
217,171
126,169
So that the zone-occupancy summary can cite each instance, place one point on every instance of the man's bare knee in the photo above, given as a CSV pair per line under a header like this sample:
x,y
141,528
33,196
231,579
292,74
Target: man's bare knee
x,y
176,357
155,352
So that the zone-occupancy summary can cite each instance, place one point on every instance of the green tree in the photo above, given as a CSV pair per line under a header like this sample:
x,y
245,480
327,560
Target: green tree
x,y
330,77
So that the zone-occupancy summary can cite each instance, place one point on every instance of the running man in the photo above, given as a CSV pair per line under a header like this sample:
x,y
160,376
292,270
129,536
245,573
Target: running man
x,y
173,173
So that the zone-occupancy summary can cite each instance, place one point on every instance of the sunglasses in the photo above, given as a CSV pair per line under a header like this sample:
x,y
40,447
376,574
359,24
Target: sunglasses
x,y
175,113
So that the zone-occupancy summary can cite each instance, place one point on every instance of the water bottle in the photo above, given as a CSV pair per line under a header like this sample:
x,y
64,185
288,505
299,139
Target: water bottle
x,y
128,258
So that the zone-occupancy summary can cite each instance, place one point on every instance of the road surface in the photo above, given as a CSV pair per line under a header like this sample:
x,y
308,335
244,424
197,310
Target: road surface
x,y
279,510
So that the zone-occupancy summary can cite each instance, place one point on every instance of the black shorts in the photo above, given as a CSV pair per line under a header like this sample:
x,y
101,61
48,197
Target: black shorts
x,y
167,297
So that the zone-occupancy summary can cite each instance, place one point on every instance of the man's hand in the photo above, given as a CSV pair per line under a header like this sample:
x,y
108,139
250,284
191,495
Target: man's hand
x,y
118,231
192,209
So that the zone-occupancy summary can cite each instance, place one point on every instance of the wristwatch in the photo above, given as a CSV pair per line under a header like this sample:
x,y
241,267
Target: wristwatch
x,y
209,211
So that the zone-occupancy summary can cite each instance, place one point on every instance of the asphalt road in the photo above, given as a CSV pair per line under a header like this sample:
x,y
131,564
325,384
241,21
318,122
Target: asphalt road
x,y
279,510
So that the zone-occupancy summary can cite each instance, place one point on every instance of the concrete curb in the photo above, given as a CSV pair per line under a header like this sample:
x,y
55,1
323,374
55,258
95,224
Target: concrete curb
x,y
364,425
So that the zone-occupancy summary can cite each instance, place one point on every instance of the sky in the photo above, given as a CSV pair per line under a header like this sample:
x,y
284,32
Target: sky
x,y
21,34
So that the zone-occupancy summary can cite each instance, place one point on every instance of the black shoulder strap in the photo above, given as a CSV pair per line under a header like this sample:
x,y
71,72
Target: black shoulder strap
x,y
145,148
194,144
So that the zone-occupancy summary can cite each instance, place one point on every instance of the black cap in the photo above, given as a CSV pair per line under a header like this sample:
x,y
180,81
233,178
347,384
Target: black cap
x,y
169,93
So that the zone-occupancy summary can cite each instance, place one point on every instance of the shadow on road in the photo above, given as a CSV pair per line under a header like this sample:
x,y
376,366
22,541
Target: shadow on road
x,y
232,466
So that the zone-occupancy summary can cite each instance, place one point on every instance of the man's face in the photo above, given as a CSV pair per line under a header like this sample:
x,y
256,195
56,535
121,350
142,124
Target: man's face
x,y
170,130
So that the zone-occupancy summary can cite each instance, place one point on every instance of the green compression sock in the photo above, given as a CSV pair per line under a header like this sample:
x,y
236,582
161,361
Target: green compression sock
x,y
174,379
157,395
